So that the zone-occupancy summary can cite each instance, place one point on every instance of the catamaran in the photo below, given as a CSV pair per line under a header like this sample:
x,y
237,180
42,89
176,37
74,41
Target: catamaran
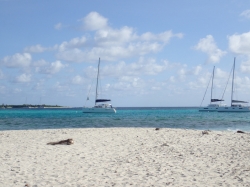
x,y
101,107
236,105
213,106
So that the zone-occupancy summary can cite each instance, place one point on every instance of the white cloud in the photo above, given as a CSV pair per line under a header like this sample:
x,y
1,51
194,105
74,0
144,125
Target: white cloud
x,y
220,73
142,67
240,43
60,87
94,21
208,46
78,80
35,49
53,68
183,72
111,53
56,67
23,78
196,70
133,84
246,14
40,63
73,43
162,37
39,85
172,79
242,84
111,44
111,50
219,82
17,60
245,66
58,26
109,36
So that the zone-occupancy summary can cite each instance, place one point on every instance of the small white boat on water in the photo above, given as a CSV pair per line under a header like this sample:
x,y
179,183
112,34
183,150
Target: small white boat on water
x,y
213,106
236,105
102,106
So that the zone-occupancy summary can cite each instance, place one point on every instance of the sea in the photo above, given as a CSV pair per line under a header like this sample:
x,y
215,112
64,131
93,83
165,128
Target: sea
x,y
128,117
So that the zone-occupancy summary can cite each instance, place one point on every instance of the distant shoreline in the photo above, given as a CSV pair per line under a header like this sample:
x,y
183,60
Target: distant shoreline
x,y
31,106
134,107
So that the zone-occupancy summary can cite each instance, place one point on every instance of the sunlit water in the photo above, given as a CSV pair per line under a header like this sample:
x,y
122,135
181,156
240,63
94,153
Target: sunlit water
x,y
184,118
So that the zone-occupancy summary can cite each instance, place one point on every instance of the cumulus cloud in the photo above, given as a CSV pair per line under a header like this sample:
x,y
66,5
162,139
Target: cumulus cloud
x,y
59,87
77,80
164,37
111,53
208,46
246,14
40,63
202,80
104,41
111,44
35,49
53,68
94,21
73,43
240,43
23,78
17,60
110,36
183,72
219,73
142,67
127,83
245,66
38,85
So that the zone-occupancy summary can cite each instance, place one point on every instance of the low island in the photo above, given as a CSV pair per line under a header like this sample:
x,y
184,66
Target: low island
x,y
3,106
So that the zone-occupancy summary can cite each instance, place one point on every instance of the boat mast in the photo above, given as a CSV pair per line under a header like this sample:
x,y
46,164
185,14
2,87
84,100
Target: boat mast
x,y
97,82
212,87
232,84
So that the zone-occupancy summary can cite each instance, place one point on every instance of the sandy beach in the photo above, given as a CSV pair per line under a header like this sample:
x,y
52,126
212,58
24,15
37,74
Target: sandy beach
x,y
124,157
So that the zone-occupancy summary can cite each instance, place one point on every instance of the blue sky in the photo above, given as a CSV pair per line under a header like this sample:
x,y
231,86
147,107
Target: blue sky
x,y
153,53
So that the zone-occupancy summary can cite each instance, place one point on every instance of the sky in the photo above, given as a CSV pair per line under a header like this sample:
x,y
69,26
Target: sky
x,y
152,53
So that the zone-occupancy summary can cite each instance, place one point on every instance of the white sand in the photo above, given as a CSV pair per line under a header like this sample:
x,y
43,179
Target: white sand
x,y
124,157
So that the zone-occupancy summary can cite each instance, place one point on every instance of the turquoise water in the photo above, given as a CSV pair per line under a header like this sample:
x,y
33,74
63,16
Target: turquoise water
x,y
184,118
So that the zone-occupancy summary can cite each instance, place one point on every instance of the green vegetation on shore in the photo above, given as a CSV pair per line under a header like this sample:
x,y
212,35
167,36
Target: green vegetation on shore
x,y
29,106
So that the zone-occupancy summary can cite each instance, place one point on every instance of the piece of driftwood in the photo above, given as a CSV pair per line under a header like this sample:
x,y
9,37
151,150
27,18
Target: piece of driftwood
x,y
204,132
240,132
62,142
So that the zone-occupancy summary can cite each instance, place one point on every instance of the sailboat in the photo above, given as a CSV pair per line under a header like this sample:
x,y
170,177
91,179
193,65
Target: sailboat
x,y
236,105
101,107
213,106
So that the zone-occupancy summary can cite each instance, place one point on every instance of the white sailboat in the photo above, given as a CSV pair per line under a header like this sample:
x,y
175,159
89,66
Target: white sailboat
x,y
102,107
236,105
213,106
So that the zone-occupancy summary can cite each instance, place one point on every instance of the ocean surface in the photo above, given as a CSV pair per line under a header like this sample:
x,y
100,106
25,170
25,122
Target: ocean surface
x,y
162,117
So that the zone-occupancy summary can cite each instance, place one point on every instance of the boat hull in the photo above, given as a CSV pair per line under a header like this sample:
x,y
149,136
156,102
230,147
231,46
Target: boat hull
x,y
207,109
234,109
211,108
225,109
98,110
